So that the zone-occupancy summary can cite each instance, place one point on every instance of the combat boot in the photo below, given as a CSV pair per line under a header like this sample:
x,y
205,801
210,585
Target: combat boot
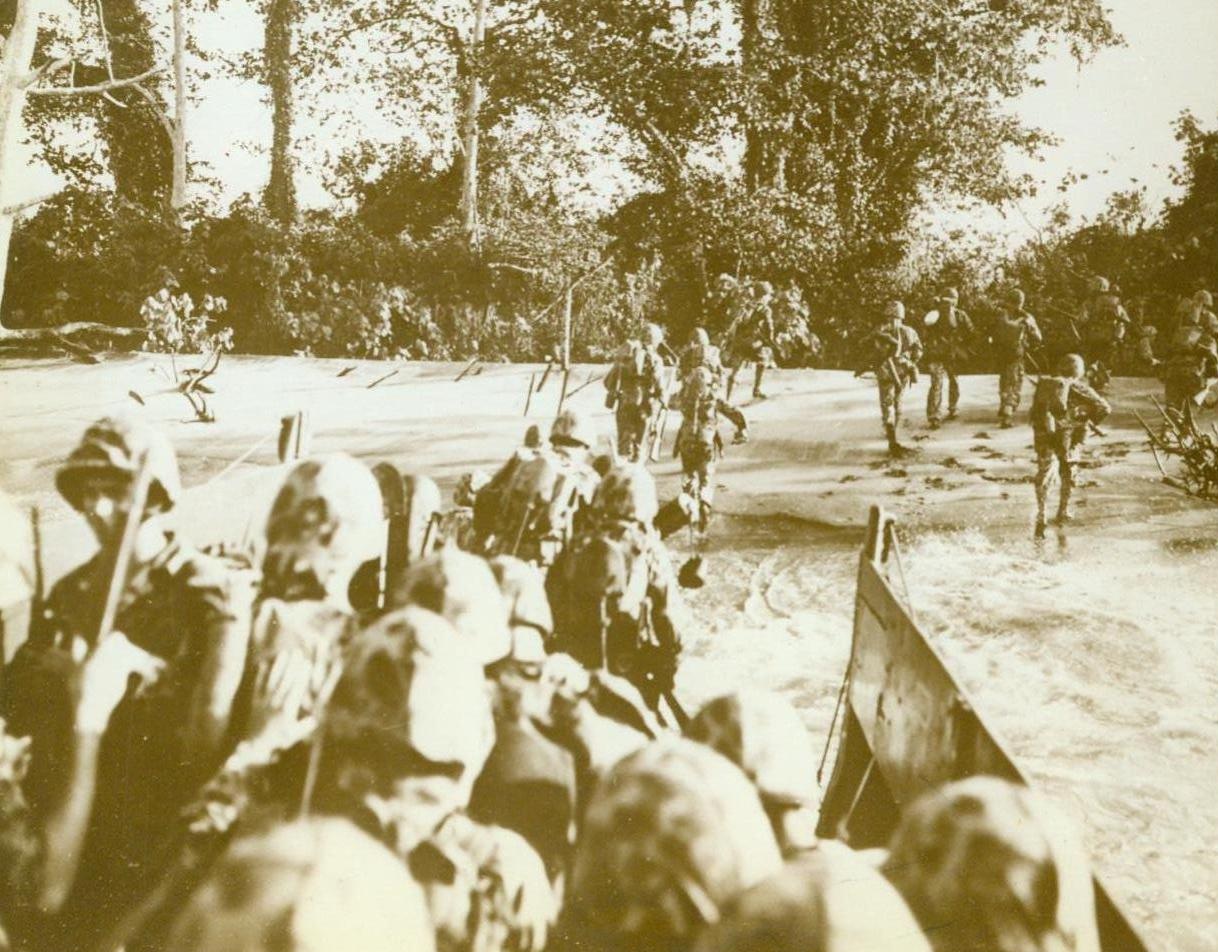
x,y
894,447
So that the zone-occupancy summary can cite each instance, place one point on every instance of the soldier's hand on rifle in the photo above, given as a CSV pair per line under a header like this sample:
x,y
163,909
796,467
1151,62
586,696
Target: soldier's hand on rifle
x,y
106,677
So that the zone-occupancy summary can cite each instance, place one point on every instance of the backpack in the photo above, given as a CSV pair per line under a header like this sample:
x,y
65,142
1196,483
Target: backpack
x,y
599,590
539,508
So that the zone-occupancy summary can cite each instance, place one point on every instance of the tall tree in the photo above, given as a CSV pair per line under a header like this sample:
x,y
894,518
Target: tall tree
x,y
280,196
881,105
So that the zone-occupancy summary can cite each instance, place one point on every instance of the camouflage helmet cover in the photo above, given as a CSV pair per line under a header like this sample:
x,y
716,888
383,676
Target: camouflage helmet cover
x,y
653,334
984,863
762,734
1072,366
1099,284
307,886
573,427
1015,297
950,294
828,899
326,518
410,684
114,447
462,588
628,493
894,311
670,835
1204,298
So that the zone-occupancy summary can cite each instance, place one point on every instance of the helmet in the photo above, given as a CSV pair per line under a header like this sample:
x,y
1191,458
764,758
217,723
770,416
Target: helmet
x,y
628,493
410,685
986,864
325,521
763,288
1072,367
827,900
1204,298
573,427
1099,284
950,294
700,337
1015,297
114,447
670,836
762,734
16,554
894,310
653,335
462,588
306,886
532,437
422,504
524,590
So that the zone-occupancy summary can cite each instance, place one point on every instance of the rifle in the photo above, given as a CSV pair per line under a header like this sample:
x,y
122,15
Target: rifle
x,y
38,597
137,499
657,429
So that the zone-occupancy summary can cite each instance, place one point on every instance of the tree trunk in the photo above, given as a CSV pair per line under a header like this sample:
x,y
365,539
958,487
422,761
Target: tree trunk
x,y
470,126
139,154
280,195
755,16
14,69
177,197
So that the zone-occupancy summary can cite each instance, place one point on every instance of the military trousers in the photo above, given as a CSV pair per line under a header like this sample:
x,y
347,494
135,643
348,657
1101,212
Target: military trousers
x,y
891,390
1010,388
941,373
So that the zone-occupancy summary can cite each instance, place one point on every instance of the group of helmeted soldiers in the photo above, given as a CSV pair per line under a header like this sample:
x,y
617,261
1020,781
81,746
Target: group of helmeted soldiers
x,y
383,726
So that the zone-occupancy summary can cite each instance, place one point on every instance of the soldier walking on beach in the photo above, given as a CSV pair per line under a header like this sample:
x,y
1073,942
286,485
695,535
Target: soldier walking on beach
x,y
1064,407
635,386
752,336
897,350
946,335
1104,321
1015,333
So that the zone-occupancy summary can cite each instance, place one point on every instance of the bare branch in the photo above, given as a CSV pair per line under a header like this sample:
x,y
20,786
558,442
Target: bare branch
x,y
166,123
97,88
28,203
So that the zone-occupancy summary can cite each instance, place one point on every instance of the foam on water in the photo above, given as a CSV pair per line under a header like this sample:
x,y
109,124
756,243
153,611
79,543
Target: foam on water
x,y
1097,663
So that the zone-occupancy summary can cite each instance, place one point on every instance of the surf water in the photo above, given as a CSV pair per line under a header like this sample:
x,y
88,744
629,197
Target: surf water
x,y
1094,660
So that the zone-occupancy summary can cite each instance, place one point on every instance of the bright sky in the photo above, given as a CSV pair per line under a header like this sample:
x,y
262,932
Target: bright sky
x,y
1113,116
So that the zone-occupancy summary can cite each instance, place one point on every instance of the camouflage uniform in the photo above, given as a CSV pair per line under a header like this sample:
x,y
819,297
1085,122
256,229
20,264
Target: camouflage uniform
x,y
1187,371
1061,410
1103,321
898,348
698,441
537,501
616,603
1014,331
485,886
635,387
752,331
180,606
946,344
